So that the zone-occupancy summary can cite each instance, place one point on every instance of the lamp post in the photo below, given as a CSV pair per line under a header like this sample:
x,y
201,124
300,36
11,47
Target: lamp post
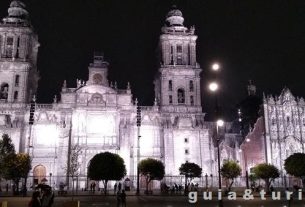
x,y
213,87
138,148
50,179
219,123
206,181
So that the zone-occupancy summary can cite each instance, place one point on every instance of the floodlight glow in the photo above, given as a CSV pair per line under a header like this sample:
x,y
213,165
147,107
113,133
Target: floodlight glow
x,y
213,86
46,134
215,66
220,123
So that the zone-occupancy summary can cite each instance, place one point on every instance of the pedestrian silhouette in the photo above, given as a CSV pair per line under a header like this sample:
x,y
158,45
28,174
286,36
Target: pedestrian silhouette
x,y
93,187
115,186
123,198
118,199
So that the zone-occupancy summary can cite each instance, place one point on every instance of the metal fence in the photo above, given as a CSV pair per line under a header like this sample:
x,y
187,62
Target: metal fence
x,y
83,184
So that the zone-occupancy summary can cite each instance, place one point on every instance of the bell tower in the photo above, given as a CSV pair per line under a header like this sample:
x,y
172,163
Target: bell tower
x,y
178,82
98,71
18,56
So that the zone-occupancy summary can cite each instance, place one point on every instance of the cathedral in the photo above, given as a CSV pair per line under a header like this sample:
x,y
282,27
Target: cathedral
x,y
99,117
96,115
277,134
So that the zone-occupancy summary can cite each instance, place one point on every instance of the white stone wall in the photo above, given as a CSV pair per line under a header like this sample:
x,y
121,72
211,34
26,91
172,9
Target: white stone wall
x,y
285,127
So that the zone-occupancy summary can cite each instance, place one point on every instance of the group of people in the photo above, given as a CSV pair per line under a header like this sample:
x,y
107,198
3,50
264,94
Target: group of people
x,y
92,187
43,198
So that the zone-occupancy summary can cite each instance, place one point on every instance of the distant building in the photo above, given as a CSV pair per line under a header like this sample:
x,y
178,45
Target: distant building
x,y
277,134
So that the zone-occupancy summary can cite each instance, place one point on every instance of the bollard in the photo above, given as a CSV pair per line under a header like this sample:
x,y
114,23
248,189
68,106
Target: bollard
x,y
72,204
3,204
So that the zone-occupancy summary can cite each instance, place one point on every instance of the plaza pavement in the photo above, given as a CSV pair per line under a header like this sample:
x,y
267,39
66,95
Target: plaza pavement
x,y
99,200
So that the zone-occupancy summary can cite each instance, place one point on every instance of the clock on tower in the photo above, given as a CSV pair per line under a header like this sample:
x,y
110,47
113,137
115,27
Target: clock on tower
x,y
97,79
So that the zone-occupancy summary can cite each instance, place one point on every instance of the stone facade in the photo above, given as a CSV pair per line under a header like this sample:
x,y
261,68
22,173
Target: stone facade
x,y
277,134
284,118
97,116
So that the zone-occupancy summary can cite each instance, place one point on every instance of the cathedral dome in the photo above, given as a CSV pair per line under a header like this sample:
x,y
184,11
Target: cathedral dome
x,y
174,17
17,13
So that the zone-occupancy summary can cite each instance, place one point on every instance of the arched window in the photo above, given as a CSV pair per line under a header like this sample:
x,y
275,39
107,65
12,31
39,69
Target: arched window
x,y
181,96
4,91
39,174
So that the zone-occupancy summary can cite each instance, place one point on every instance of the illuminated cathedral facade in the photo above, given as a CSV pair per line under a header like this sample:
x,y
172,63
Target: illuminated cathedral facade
x,y
96,115
99,117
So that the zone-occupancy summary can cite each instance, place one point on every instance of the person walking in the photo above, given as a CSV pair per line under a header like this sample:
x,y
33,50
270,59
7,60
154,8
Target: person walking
x,y
118,199
35,201
123,198
93,187
47,199
115,187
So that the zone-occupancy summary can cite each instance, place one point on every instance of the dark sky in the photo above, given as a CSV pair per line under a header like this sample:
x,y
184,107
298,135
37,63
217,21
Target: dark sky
x,y
259,40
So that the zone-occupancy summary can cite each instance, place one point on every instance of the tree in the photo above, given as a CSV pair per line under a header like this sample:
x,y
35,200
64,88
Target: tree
x,y
106,166
295,165
152,170
73,164
7,148
17,166
189,170
73,169
230,170
267,172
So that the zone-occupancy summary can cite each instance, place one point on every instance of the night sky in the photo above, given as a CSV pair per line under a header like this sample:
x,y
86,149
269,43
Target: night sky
x,y
259,40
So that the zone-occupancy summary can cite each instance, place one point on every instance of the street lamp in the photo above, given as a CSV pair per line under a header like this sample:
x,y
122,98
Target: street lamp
x,y
215,67
219,123
213,87
138,148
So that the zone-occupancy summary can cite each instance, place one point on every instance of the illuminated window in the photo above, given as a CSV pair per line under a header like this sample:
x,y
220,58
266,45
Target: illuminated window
x,y
181,96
